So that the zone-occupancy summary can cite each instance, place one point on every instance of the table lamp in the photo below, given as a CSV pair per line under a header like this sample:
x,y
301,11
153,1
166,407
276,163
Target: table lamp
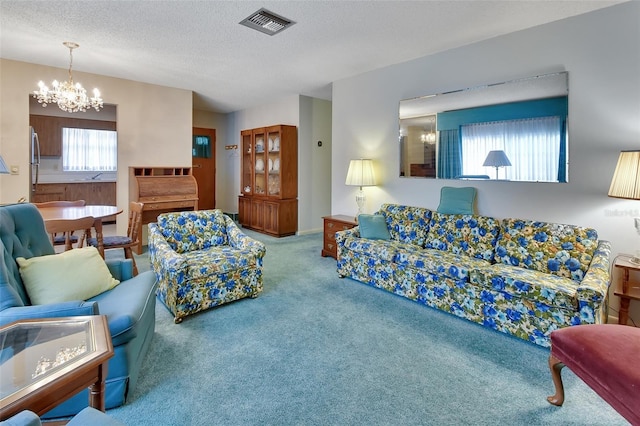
x,y
360,174
496,159
626,184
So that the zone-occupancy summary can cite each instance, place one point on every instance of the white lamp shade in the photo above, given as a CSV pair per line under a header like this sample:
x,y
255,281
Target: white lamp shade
x,y
3,167
361,173
626,178
496,159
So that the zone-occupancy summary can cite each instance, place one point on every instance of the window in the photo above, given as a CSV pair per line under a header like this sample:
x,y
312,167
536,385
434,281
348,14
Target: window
x,y
89,150
534,147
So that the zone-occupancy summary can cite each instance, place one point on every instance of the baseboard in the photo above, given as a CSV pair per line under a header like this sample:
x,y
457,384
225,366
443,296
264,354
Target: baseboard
x,y
309,231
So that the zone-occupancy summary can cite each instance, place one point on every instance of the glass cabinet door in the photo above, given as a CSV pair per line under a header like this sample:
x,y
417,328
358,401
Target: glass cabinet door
x,y
247,163
273,160
260,160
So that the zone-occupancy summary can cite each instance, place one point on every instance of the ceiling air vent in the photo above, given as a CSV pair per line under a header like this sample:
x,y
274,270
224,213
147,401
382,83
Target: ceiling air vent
x,y
266,22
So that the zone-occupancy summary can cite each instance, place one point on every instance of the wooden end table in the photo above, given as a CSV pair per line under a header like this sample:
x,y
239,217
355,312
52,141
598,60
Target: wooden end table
x,y
333,224
627,290
50,360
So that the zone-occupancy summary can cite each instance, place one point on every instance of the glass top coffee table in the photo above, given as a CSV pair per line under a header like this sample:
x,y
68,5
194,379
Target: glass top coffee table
x,y
43,362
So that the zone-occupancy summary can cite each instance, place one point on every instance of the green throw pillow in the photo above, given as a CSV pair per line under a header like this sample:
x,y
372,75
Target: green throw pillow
x,y
77,274
457,200
373,227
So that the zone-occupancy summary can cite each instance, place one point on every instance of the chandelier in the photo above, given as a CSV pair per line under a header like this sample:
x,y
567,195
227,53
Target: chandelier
x,y
70,97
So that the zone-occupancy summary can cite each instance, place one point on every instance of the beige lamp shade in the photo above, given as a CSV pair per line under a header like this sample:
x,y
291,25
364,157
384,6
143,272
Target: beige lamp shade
x,y
360,173
626,177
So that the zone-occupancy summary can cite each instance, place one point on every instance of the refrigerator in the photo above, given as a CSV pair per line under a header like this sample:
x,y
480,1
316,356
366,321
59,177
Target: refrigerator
x,y
34,158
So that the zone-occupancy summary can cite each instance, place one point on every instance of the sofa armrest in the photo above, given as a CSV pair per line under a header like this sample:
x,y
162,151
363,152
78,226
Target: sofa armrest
x,y
240,240
23,418
53,310
161,255
121,269
341,236
594,287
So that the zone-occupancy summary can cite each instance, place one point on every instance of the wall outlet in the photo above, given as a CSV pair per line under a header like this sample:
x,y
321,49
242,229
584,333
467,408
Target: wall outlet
x,y
14,170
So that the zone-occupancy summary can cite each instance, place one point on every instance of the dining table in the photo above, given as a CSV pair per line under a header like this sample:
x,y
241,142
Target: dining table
x,y
98,212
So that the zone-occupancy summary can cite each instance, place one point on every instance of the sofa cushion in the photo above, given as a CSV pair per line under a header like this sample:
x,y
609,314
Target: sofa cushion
x,y
542,288
471,235
379,249
72,275
193,230
441,263
457,200
406,224
373,227
562,250
218,260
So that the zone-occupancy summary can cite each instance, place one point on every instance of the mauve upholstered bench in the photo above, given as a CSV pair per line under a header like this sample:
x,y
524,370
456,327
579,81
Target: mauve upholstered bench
x,y
605,357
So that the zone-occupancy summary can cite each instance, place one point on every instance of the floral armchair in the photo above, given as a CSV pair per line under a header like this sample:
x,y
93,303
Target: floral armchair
x,y
202,259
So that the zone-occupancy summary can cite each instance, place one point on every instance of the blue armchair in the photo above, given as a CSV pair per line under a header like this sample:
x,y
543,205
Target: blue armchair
x,y
129,307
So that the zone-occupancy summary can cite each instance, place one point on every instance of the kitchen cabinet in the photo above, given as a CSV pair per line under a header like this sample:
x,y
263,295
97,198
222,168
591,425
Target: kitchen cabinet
x,y
269,180
49,134
49,130
93,193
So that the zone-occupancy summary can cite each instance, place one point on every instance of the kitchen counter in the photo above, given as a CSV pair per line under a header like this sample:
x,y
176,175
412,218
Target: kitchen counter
x,y
75,178
94,192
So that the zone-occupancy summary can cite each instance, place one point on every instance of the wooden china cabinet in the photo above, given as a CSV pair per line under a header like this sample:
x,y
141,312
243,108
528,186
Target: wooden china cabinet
x,y
269,180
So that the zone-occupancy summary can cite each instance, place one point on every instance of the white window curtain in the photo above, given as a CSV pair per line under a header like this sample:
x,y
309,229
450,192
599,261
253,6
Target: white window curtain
x,y
532,146
89,150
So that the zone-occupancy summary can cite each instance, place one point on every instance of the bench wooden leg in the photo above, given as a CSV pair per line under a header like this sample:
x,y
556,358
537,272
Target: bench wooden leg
x,y
556,366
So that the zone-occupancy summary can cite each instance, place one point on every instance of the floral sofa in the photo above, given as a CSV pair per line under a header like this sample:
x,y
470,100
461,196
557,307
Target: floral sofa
x,y
201,259
520,277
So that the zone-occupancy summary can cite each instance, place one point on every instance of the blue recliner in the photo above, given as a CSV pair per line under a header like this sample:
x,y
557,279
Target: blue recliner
x,y
129,307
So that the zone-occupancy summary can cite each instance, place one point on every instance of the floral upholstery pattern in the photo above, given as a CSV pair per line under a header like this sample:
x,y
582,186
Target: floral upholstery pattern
x,y
563,250
472,235
188,231
197,267
406,224
460,268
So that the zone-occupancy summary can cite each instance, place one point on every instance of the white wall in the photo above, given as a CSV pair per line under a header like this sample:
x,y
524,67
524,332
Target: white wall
x,y
312,117
314,163
601,52
148,117
226,174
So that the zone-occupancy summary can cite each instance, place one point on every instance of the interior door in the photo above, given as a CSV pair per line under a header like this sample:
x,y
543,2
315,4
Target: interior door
x,y
204,166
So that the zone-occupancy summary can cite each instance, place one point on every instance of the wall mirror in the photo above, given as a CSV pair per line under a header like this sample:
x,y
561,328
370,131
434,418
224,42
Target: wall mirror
x,y
514,131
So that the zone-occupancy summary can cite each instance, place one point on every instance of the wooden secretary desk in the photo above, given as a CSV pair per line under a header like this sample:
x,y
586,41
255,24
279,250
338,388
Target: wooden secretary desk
x,y
162,190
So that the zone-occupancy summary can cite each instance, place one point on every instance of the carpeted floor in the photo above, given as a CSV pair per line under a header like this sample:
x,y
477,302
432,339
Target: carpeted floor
x,y
314,349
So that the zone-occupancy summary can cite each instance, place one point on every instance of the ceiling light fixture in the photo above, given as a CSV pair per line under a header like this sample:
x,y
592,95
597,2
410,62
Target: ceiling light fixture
x,y
70,97
266,22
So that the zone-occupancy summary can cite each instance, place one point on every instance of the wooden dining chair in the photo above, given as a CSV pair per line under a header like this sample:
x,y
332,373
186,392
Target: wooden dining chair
x,y
58,240
129,241
66,227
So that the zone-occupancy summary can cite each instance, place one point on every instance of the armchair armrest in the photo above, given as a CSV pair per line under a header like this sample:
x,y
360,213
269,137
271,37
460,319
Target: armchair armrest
x,y
54,310
594,287
161,255
240,240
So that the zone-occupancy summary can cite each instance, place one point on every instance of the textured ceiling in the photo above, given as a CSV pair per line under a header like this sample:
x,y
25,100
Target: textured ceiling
x,y
200,46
